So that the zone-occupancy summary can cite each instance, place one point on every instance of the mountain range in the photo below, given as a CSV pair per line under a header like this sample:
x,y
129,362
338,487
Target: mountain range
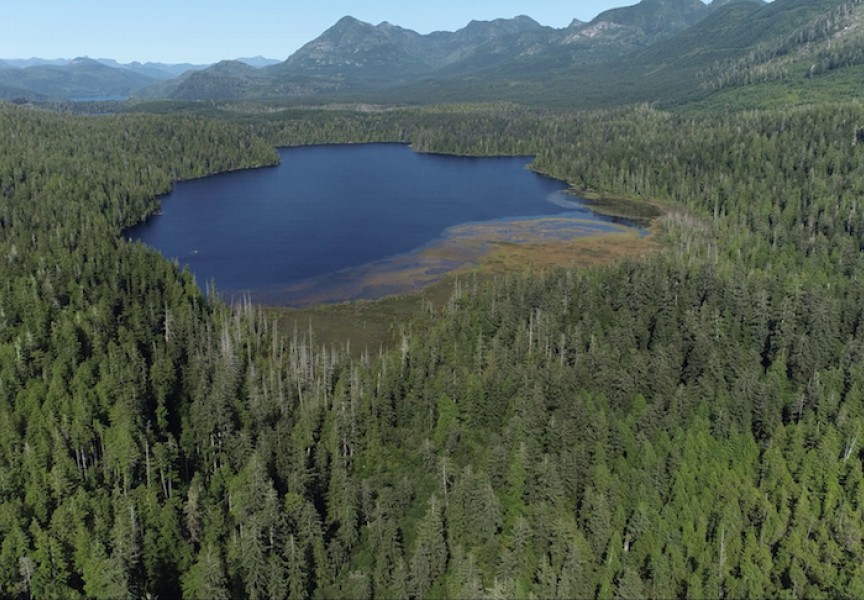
x,y
353,56
667,51
38,78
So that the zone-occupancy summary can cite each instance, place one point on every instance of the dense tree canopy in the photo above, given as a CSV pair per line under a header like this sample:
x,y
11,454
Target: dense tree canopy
x,y
687,424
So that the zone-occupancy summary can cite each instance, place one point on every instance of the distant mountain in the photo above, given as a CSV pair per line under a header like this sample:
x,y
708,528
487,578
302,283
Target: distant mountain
x,y
158,71
354,51
681,68
210,83
720,3
258,61
82,77
226,80
487,44
23,63
666,51
15,94
644,22
627,28
618,32
484,57
353,56
38,78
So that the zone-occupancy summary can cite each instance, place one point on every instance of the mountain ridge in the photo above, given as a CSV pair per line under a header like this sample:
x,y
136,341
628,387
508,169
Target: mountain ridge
x,y
671,52
354,56
80,76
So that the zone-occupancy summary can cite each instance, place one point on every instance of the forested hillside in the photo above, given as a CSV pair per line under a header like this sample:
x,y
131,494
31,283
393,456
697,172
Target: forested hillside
x,y
688,424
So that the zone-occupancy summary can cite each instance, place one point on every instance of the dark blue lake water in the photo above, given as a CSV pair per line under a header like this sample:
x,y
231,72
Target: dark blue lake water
x,y
329,208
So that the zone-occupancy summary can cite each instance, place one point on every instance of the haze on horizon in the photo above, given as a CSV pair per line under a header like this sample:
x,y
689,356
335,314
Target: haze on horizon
x,y
206,32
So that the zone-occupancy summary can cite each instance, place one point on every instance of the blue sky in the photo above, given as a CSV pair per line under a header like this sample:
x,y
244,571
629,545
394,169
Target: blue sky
x,y
203,32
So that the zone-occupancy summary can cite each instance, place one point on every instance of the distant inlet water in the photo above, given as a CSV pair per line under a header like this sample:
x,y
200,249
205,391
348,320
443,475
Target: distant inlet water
x,y
328,209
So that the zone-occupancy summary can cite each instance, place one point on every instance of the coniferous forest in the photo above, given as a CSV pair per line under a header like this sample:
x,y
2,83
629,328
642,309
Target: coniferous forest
x,y
686,424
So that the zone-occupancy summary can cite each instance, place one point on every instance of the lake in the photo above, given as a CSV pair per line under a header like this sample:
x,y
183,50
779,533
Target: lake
x,y
327,210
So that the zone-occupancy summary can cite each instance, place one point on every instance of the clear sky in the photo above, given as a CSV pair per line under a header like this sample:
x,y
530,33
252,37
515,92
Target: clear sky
x,y
199,31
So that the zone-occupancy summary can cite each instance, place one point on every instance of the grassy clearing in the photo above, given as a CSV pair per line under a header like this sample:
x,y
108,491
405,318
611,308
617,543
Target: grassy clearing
x,y
374,324
363,324
577,253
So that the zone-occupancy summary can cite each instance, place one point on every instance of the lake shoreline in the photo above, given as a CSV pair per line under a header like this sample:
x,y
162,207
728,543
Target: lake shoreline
x,y
462,248
361,325
455,210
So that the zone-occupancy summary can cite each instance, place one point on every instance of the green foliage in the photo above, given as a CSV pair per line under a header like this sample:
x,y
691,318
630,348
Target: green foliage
x,y
686,424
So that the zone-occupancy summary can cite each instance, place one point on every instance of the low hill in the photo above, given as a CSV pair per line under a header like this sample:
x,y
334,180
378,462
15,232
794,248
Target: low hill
x,y
80,77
